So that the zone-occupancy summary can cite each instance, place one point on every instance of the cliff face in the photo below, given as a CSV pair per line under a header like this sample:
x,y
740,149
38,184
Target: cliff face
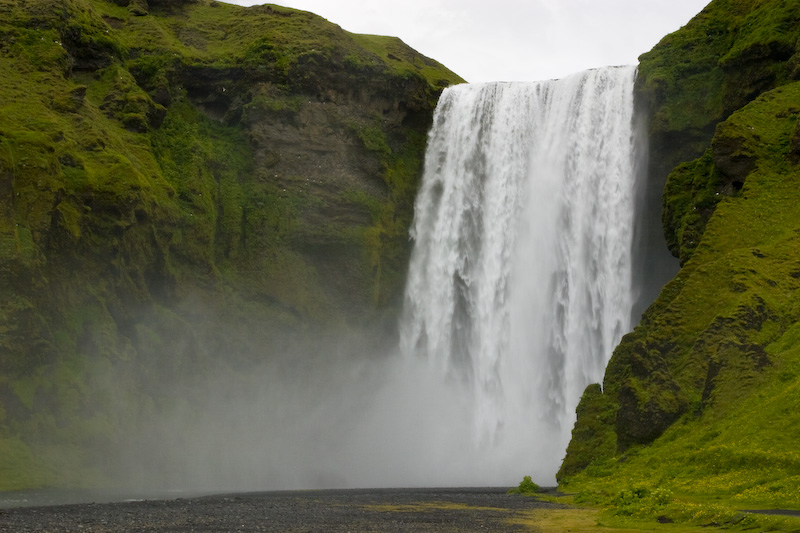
x,y
183,180
696,399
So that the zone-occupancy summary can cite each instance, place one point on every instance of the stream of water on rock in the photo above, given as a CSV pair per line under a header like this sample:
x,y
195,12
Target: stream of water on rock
x,y
519,285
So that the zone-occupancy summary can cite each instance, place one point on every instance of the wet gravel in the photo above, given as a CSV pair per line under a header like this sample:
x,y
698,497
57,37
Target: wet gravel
x,y
385,510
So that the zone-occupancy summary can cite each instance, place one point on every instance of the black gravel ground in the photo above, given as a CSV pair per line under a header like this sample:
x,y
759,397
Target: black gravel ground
x,y
384,510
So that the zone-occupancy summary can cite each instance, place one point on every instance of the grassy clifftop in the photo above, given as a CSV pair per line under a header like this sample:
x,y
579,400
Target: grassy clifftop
x,y
695,78
697,415
180,181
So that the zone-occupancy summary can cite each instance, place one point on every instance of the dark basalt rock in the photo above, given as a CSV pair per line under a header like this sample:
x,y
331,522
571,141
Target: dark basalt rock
x,y
642,420
733,161
78,94
794,147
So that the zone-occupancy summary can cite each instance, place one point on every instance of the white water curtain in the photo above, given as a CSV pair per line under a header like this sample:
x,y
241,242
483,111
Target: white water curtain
x,y
520,279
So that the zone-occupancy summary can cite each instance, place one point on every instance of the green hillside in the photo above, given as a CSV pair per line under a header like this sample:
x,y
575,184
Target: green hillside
x,y
181,179
698,417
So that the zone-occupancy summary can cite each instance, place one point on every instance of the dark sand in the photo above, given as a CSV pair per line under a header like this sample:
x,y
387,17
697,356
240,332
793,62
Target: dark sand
x,y
385,510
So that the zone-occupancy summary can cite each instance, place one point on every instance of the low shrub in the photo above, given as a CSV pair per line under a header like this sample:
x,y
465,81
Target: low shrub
x,y
526,486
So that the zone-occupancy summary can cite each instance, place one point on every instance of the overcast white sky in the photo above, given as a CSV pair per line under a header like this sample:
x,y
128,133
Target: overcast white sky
x,y
512,40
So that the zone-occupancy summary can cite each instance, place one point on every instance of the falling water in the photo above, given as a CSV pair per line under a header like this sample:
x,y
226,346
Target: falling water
x,y
519,285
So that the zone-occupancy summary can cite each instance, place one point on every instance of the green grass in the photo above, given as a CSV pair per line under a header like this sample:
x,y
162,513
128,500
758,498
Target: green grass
x,y
739,454
405,61
271,40
716,63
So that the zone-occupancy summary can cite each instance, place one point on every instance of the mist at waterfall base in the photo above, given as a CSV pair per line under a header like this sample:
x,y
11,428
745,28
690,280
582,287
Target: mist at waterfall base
x,y
519,288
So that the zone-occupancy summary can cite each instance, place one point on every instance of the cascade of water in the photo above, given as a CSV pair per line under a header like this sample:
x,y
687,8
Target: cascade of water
x,y
519,285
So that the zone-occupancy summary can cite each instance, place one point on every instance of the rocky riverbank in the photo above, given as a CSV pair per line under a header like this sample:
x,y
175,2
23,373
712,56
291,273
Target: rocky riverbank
x,y
480,509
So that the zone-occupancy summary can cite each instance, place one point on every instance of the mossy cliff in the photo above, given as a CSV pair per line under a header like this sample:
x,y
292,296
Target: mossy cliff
x,y
700,400
182,180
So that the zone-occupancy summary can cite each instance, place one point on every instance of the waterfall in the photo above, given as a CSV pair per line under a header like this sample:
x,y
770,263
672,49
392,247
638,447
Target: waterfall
x,y
519,288
519,284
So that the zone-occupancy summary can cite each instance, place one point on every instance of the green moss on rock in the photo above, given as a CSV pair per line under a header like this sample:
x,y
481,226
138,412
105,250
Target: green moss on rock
x,y
693,387
180,180
594,441
700,390
694,79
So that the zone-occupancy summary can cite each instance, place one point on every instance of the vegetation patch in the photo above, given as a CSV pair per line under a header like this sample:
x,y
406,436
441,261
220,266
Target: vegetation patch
x,y
577,519
526,486
693,424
